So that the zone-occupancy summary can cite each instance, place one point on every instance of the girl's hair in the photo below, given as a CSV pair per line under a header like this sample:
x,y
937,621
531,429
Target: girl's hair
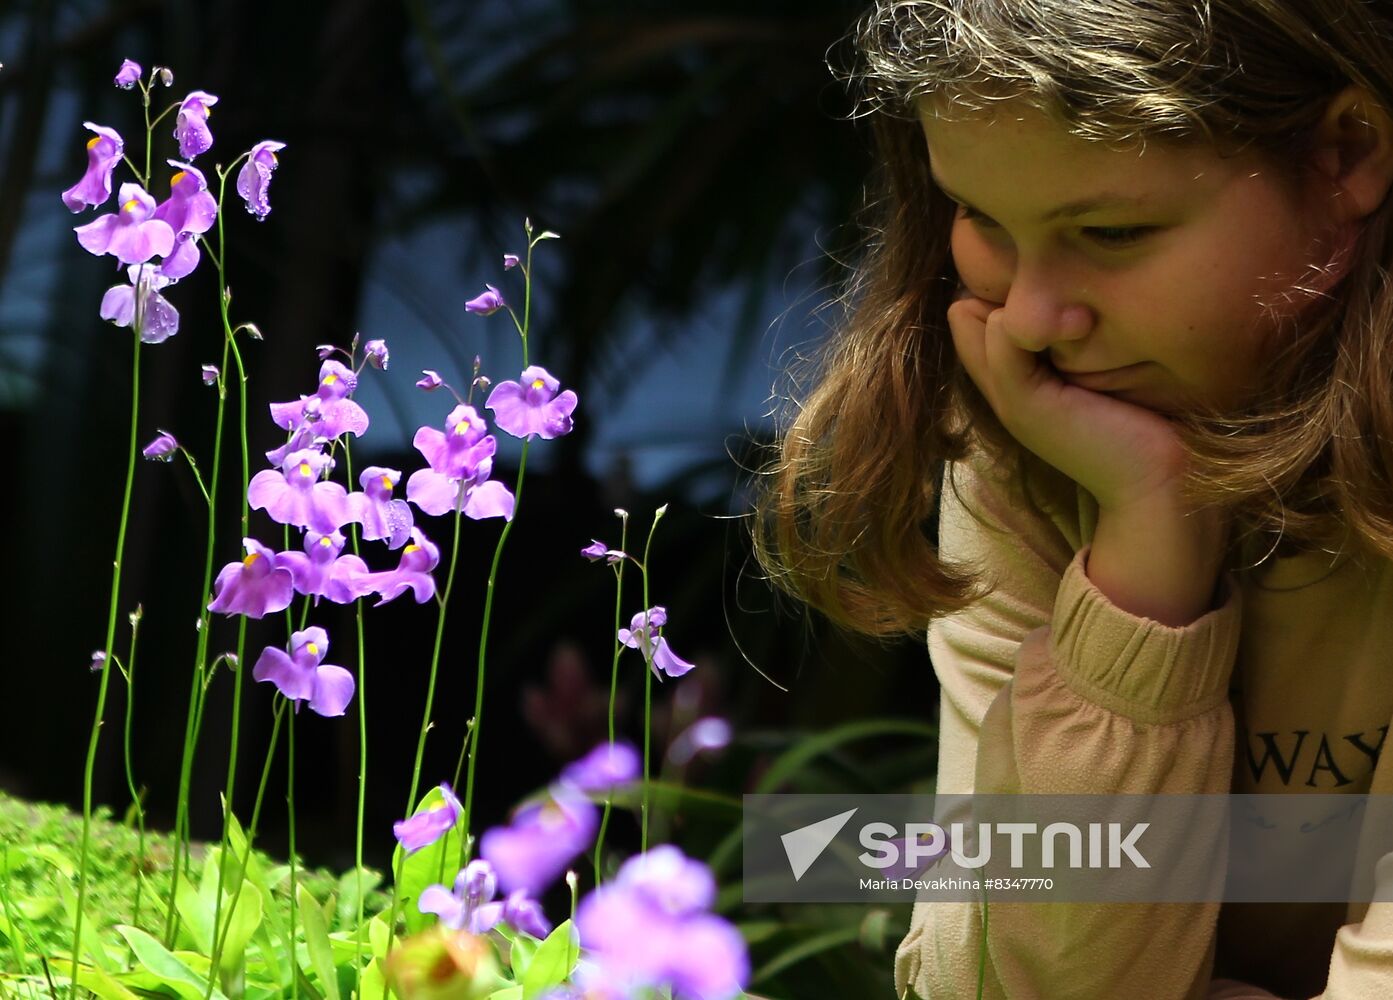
x,y
841,516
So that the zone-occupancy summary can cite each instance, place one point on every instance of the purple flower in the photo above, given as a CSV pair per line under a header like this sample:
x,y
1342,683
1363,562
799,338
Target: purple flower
x,y
330,410
352,580
128,74
649,929
636,636
609,764
376,353
710,733
310,570
532,405
131,234
377,511
190,208
161,449
430,381
541,840
470,906
302,676
461,461
183,259
510,261
254,179
98,663
191,127
210,374
158,320
598,550
429,825
103,153
294,494
254,587
486,303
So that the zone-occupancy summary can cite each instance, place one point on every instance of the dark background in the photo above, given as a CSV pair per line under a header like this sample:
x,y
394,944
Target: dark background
x,y
697,158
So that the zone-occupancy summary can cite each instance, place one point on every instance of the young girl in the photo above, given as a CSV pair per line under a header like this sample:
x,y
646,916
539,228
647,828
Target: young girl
x,y
1126,323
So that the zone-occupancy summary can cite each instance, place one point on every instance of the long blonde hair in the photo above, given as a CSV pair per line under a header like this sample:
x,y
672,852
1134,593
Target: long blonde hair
x,y
841,513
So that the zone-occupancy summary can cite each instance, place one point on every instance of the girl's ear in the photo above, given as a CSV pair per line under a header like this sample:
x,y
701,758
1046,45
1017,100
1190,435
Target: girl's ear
x,y
1354,150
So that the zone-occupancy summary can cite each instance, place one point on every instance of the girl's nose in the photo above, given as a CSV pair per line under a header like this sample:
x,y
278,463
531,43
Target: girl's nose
x,y
1042,311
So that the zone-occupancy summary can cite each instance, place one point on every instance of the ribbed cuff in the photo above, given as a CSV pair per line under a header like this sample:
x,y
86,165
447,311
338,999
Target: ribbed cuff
x,y
1138,667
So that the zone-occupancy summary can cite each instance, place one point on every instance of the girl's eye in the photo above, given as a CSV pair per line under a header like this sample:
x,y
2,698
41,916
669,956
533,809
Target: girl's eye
x,y
1113,237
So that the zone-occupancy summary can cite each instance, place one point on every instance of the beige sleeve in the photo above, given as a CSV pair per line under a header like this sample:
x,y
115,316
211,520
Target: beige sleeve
x,y
1049,688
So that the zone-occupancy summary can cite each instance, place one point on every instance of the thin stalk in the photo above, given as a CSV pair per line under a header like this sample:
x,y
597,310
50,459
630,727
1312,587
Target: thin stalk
x,y
362,754
129,674
95,735
294,877
613,681
648,648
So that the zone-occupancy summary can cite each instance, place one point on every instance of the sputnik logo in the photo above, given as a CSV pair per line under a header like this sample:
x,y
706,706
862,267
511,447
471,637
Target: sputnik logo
x,y
806,844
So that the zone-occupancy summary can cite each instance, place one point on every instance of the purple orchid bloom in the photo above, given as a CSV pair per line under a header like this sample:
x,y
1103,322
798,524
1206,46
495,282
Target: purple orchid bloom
x,y
470,906
461,461
132,235
609,764
255,586
254,179
541,840
190,208
429,825
159,320
636,636
381,515
486,303
191,126
183,259
310,570
649,929
430,380
294,494
351,579
128,75
301,676
161,449
305,436
532,406
376,353
330,409
598,550
710,733
104,151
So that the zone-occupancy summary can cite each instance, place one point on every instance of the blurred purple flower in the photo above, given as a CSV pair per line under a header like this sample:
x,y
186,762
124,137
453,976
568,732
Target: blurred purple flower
x,y
376,353
470,906
161,449
294,494
598,550
486,303
191,126
609,764
254,587
131,234
532,405
428,826
159,320
710,733
103,153
377,511
430,381
649,929
636,636
541,840
254,179
128,74
301,676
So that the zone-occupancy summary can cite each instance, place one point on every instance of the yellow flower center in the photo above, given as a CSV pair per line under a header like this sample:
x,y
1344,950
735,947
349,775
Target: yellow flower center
x,y
130,206
93,141
174,181
387,483
314,650
537,383
305,469
251,558
462,427
330,379
325,541
410,549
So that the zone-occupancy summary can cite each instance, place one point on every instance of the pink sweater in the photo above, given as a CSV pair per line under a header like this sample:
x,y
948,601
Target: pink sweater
x,y
1285,687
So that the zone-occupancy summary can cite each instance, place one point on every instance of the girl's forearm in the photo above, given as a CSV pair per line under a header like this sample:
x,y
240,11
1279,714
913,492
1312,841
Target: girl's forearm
x,y
1157,559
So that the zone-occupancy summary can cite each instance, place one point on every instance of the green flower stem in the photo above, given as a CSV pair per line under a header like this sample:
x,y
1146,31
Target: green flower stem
x,y
95,735
362,752
648,646
139,863
471,736
613,681
290,832
220,940
443,602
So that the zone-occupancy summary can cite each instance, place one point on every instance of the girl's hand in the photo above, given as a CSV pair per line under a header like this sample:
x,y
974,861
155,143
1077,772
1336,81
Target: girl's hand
x,y
1120,452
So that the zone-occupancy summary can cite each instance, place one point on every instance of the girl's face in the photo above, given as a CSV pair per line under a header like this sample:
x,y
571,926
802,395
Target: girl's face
x,y
1160,262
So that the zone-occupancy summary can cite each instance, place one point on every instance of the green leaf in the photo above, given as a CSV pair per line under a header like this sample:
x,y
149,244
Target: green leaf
x,y
521,949
317,942
92,978
372,985
347,916
805,949
553,961
378,936
434,863
166,966
91,940
195,915
507,993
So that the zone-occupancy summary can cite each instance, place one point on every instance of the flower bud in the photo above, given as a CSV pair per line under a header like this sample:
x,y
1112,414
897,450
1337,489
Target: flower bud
x,y
441,964
376,353
166,76
161,449
210,374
